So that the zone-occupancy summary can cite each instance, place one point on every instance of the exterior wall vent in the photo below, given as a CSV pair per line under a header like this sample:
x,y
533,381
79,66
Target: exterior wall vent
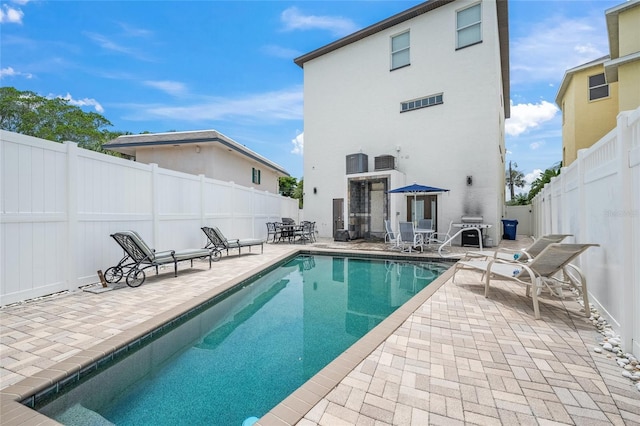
x,y
384,162
357,163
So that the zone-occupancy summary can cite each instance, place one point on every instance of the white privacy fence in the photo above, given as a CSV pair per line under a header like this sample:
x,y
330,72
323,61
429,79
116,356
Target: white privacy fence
x,y
597,200
60,203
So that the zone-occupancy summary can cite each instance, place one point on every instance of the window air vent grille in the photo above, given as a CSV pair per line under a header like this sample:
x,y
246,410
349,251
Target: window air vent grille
x,y
385,162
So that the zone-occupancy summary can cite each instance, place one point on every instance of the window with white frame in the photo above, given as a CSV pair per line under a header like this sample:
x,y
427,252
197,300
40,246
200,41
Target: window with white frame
x,y
422,102
400,50
598,87
469,26
255,176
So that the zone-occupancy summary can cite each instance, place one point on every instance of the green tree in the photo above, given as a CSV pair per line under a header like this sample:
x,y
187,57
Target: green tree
x,y
54,119
299,193
543,179
514,177
287,185
519,200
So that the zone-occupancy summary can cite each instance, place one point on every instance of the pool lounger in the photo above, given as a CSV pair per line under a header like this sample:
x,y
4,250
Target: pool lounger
x,y
139,256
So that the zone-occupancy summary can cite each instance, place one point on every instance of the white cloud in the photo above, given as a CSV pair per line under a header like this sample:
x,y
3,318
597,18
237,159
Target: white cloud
x,y
280,52
293,19
528,116
21,2
536,145
10,15
111,45
555,45
10,72
174,88
279,105
83,102
298,144
133,31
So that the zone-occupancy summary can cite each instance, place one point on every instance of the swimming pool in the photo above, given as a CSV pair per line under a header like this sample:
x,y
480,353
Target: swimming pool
x,y
293,320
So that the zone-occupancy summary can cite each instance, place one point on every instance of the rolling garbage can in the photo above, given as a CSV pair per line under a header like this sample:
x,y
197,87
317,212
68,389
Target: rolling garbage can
x,y
509,227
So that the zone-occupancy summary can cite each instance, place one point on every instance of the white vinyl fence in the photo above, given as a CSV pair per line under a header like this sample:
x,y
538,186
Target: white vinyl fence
x,y
60,203
597,200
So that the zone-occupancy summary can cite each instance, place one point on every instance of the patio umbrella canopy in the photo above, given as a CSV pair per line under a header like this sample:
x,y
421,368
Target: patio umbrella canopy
x,y
416,189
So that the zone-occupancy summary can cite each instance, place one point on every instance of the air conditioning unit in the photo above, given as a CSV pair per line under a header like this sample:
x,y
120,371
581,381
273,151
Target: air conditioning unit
x,y
357,163
384,162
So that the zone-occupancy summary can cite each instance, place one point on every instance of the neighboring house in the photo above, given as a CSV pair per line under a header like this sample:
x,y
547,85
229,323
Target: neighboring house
x,y
204,152
623,27
419,97
591,95
589,105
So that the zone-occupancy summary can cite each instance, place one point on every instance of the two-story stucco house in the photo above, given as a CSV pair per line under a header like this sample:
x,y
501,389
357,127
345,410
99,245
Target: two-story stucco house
x,y
592,95
206,152
419,97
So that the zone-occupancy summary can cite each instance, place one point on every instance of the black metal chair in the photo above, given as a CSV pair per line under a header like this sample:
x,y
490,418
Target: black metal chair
x,y
139,256
218,242
272,229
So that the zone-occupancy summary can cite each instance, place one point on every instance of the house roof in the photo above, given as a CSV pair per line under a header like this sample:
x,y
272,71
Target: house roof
x,y
612,15
613,31
503,35
568,75
127,144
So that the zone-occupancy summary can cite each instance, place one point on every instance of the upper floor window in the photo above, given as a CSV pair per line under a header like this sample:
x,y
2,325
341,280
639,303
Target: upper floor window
x,y
422,102
598,87
469,26
255,176
400,50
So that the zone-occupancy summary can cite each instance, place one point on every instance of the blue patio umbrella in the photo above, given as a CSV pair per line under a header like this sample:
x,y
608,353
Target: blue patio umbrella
x,y
416,189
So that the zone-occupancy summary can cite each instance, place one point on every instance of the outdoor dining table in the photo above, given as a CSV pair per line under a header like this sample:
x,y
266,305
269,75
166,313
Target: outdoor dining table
x,y
288,230
426,234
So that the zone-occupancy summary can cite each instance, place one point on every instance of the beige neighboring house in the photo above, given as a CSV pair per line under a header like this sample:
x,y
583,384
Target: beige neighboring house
x,y
591,95
206,152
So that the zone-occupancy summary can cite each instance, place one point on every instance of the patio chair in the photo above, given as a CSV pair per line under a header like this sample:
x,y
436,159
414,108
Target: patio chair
x,y
408,239
425,223
522,255
542,271
218,242
139,256
303,232
440,240
272,229
390,237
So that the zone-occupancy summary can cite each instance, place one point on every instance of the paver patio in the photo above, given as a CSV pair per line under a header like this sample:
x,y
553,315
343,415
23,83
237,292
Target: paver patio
x,y
459,358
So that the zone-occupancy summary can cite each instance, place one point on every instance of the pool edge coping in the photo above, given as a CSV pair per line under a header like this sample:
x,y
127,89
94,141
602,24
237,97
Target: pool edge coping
x,y
14,412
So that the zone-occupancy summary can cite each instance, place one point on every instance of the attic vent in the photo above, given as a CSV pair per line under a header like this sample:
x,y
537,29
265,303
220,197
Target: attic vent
x,y
357,163
385,162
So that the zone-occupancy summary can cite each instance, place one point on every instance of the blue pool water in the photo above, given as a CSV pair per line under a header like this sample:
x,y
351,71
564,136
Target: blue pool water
x,y
278,332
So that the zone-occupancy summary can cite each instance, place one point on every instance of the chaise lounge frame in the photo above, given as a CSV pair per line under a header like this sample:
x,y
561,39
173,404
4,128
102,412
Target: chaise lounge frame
x,y
217,242
138,256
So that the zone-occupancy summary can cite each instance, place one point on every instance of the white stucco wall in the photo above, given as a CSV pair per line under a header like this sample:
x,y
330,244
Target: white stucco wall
x,y
212,160
352,104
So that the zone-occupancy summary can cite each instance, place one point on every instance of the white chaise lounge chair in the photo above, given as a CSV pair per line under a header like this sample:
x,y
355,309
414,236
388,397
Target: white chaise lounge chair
x,y
542,271
521,255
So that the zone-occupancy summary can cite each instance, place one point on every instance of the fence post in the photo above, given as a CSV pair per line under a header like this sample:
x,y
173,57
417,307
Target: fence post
x,y
582,213
72,216
155,199
202,183
626,225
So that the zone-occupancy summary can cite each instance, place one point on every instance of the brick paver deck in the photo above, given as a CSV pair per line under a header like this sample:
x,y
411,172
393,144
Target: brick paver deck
x,y
454,358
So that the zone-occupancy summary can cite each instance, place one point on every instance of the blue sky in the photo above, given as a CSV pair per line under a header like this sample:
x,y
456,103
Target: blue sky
x,y
189,65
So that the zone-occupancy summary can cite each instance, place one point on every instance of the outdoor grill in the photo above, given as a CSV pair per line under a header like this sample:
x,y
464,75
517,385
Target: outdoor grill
x,y
470,237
